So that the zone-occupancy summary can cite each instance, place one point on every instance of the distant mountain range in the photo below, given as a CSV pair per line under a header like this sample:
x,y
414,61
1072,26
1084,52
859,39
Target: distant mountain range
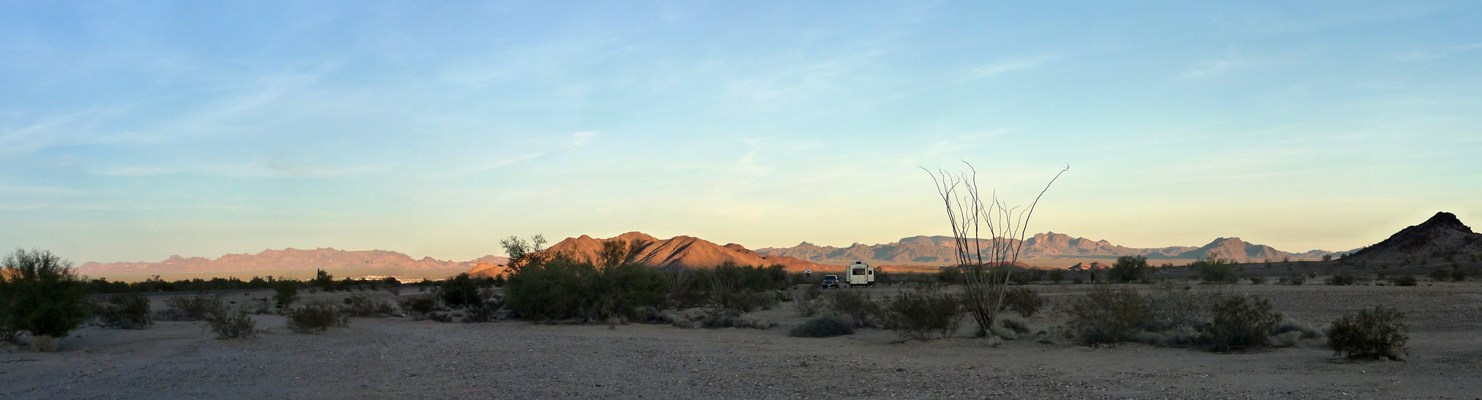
x,y
681,252
939,250
276,262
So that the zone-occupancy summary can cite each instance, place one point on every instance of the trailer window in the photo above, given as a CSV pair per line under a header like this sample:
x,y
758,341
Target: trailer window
x,y
859,271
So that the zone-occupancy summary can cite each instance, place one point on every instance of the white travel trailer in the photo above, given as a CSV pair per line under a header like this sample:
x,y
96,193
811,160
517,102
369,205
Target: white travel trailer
x,y
859,274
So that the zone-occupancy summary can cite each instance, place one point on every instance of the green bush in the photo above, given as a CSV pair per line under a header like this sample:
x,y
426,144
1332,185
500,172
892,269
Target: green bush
x,y
1297,279
1239,322
40,293
1057,275
460,291
560,289
1342,279
1404,280
924,313
317,316
1369,334
863,311
189,308
231,325
1104,315
123,311
285,292
1216,270
358,305
418,306
1023,300
825,326
1129,269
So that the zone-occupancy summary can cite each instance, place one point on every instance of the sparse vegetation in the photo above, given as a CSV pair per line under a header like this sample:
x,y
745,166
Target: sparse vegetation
x,y
460,291
285,292
189,308
1105,315
1342,278
418,306
824,326
1404,280
1369,334
858,307
358,305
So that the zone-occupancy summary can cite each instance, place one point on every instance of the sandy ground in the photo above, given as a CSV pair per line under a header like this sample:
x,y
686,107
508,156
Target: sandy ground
x,y
402,358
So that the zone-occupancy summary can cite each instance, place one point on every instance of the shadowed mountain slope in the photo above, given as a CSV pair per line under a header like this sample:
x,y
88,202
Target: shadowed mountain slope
x,y
1441,236
270,262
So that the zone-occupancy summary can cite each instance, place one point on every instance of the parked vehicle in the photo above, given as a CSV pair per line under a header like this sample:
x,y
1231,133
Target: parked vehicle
x,y
860,274
830,281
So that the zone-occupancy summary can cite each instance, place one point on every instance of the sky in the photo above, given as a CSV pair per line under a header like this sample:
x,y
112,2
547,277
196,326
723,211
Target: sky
x,y
132,131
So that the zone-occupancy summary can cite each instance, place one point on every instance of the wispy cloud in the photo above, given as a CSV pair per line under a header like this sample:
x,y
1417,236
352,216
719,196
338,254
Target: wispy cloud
x,y
1010,65
571,141
1230,62
249,170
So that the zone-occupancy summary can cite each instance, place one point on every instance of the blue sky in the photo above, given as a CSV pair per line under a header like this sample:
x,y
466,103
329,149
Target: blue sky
x,y
130,131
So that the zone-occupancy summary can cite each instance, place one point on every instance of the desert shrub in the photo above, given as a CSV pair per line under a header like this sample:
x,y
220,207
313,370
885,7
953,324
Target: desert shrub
x,y
1104,315
1297,279
1216,270
189,308
746,301
1257,280
1458,275
358,305
824,326
808,301
460,291
1023,300
40,293
285,292
1440,275
924,312
1343,278
440,317
1369,334
1178,308
417,306
863,311
1057,275
561,290
317,316
1017,326
1129,269
230,325
1304,330
123,311
1404,280
482,312
1239,322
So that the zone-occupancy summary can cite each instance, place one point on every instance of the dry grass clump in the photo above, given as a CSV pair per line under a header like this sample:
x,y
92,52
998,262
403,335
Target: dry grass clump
x,y
358,305
1369,334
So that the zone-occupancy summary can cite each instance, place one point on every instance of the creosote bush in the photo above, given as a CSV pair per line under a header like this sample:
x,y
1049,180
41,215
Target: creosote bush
x,y
1239,322
231,325
924,313
1024,301
123,311
1369,334
1104,315
189,308
417,306
358,305
40,293
824,326
1404,280
1342,279
858,307
1129,269
285,292
315,317
1216,270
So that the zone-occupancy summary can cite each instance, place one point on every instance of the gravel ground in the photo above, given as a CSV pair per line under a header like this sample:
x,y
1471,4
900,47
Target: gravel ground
x,y
402,358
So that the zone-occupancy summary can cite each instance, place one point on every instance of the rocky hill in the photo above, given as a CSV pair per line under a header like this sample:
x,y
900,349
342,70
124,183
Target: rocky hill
x,y
1441,236
272,262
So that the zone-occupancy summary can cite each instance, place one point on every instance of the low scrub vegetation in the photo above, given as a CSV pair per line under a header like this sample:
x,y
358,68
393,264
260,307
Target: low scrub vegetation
x,y
231,325
418,307
189,308
1173,317
924,313
1379,332
359,305
1344,278
1024,301
123,311
1216,270
1130,269
317,316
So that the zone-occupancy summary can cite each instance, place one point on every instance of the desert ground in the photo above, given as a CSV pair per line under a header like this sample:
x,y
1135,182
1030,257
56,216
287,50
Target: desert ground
x,y
401,358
